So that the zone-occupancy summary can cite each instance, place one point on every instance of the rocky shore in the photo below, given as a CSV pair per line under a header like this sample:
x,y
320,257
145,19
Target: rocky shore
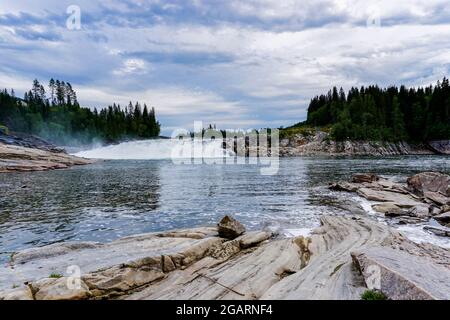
x,y
319,143
424,200
337,261
28,153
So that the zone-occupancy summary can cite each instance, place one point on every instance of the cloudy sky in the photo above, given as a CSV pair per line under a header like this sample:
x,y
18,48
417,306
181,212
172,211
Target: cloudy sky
x,y
238,64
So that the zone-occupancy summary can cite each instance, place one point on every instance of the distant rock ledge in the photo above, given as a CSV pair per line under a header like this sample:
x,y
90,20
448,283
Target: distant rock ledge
x,y
320,143
337,261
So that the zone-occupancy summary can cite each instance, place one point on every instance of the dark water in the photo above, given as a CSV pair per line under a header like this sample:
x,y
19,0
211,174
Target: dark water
x,y
112,199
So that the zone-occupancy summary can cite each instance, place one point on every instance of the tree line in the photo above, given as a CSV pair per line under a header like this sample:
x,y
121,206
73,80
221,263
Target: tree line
x,y
389,114
56,115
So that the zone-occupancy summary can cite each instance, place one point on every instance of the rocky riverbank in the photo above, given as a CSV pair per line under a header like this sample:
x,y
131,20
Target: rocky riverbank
x,y
319,143
337,261
424,199
20,152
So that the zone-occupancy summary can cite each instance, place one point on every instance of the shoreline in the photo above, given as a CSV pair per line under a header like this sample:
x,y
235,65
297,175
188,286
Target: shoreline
x,y
202,263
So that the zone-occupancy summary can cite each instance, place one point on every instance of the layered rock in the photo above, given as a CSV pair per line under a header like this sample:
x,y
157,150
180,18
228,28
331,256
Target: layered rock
x,y
18,158
320,143
425,196
199,264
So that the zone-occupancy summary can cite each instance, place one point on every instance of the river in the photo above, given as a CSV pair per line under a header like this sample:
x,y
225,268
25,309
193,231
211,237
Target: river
x,y
115,198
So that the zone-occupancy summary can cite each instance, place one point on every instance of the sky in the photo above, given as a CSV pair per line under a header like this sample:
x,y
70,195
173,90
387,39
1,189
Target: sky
x,y
236,64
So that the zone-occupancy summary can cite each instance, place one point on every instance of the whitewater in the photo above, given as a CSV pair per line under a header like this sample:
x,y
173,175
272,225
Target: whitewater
x,y
157,149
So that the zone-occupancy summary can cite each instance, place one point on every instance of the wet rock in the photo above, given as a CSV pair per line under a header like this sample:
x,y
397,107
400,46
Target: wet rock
x,y
230,228
402,276
443,218
429,182
364,177
442,232
401,200
410,220
344,186
60,289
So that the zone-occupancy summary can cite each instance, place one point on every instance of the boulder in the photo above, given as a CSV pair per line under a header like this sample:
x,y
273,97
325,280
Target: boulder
x,y
230,228
389,209
431,182
402,276
364,177
419,211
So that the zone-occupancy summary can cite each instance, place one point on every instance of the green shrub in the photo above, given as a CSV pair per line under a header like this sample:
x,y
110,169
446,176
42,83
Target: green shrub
x,y
4,129
373,295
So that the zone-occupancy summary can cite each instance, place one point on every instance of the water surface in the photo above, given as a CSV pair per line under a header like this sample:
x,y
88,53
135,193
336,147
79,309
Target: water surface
x,y
115,198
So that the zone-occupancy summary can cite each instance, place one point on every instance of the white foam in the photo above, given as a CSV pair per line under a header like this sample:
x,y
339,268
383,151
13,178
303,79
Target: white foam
x,y
156,149
417,234
305,232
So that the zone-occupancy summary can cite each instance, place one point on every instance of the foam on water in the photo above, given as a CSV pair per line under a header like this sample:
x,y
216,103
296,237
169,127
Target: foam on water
x,y
157,149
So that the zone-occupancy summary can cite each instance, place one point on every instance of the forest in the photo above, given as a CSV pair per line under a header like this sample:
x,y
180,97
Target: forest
x,y
389,114
55,114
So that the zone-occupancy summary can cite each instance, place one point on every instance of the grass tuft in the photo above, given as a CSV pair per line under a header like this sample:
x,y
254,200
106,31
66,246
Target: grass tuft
x,y
373,295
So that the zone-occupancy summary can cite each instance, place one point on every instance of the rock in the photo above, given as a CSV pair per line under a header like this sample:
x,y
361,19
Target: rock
x,y
400,200
120,280
134,251
442,232
59,289
252,239
443,218
434,211
197,264
419,211
410,220
18,158
431,182
440,146
445,208
167,264
364,177
343,186
389,209
22,293
230,228
437,197
401,276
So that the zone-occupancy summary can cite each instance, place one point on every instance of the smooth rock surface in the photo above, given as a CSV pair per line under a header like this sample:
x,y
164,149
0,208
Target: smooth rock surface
x,y
17,158
401,276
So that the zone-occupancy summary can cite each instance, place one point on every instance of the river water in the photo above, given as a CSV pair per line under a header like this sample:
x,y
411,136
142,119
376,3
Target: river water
x,y
115,198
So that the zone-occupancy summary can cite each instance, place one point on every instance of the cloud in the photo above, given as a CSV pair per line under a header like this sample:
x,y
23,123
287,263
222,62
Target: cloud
x,y
236,63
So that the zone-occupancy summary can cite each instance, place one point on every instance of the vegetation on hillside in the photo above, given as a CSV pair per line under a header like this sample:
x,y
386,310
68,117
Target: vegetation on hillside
x,y
56,115
390,114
